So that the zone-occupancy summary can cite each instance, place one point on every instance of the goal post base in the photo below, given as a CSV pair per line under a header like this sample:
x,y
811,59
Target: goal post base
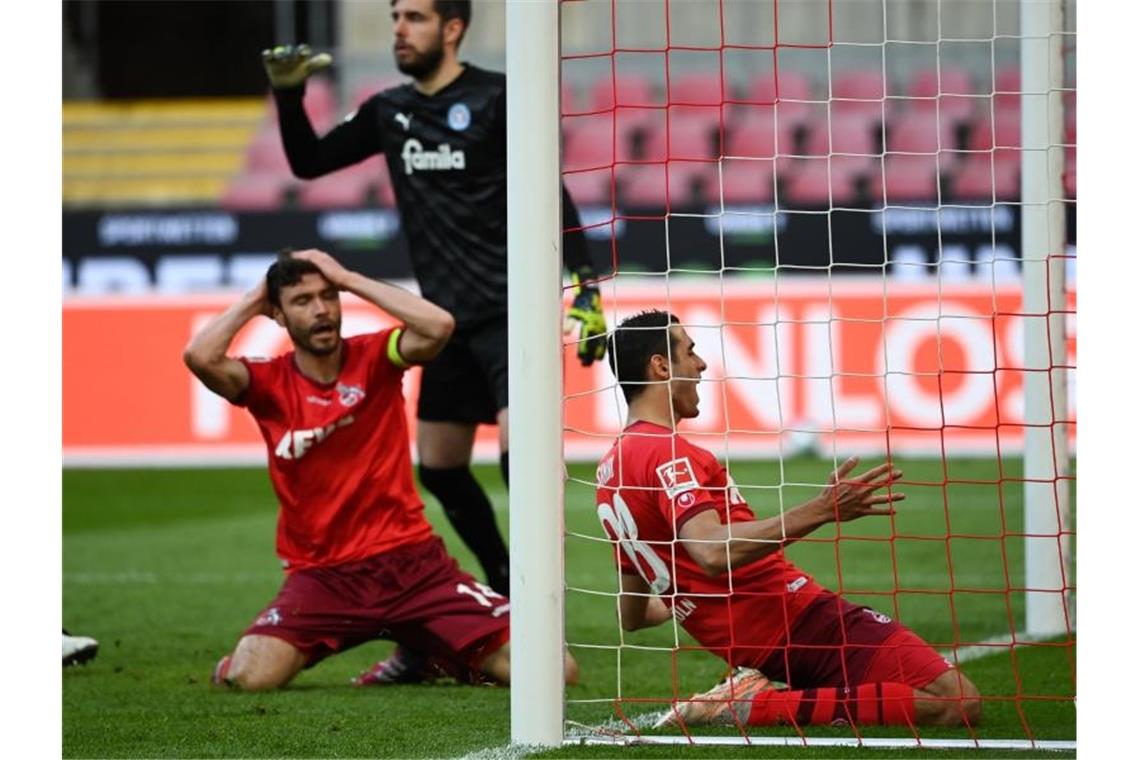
x,y
807,741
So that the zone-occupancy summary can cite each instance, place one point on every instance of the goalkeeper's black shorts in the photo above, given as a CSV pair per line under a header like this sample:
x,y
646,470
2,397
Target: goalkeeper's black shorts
x,y
467,382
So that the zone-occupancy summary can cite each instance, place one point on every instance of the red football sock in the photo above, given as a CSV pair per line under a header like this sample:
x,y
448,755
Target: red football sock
x,y
884,704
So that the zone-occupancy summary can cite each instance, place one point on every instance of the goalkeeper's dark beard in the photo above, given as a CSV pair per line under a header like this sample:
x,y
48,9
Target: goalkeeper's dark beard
x,y
422,64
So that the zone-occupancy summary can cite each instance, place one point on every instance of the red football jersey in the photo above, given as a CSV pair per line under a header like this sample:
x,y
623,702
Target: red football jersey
x,y
649,484
338,455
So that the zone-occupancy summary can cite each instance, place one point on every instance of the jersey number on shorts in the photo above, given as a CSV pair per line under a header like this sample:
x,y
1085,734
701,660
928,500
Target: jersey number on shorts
x,y
479,593
619,523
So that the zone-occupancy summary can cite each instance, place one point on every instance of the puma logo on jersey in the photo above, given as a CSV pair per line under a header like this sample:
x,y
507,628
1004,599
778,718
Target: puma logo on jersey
x,y
405,120
296,443
442,159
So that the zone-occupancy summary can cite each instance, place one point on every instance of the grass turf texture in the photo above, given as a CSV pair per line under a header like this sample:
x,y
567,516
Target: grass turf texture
x,y
166,568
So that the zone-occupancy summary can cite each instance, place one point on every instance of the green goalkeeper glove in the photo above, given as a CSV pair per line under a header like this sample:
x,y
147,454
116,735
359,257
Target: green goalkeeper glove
x,y
289,65
587,309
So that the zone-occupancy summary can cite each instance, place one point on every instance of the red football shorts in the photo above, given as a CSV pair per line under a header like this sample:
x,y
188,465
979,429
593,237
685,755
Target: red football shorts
x,y
415,595
836,643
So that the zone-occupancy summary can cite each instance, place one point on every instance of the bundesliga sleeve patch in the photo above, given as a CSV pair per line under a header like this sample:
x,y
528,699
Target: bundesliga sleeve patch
x,y
677,477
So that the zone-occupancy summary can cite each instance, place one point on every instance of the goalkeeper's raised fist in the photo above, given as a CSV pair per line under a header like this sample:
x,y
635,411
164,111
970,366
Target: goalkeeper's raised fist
x,y
587,310
290,65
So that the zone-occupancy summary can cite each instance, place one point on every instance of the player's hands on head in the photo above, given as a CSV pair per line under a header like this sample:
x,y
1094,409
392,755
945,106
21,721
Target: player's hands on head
x,y
332,269
586,310
846,497
259,296
290,65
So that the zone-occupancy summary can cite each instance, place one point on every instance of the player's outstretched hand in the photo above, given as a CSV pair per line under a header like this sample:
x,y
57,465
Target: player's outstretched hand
x,y
587,311
290,65
846,498
332,269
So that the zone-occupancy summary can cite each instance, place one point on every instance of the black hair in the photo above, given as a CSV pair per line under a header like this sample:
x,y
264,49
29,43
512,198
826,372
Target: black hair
x,y
449,9
634,342
284,272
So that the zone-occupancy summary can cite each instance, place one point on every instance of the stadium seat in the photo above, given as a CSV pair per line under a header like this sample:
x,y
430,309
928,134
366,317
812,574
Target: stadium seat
x,y
949,92
793,89
849,132
678,184
907,180
365,184
255,192
1070,176
699,88
745,182
590,140
980,179
1003,136
367,89
693,134
592,188
921,131
753,133
630,89
858,92
266,155
820,182
1007,89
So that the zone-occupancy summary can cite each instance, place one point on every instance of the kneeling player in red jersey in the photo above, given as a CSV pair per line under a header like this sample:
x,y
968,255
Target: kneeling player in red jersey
x,y
361,561
656,491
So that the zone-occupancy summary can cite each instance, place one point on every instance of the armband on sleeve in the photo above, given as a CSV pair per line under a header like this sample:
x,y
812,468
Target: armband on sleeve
x,y
394,349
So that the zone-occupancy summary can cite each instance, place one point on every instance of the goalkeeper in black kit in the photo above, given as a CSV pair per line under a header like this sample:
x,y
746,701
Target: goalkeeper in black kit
x,y
444,136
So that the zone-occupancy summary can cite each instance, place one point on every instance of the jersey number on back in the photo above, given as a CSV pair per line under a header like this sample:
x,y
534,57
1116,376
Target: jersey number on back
x,y
619,523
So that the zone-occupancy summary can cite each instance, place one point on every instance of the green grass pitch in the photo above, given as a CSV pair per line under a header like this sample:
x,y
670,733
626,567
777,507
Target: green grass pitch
x,y
166,567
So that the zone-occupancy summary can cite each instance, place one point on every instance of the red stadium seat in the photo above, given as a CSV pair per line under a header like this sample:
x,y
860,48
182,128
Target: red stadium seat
x,y
366,183
255,192
823,181
752,133
1002,136
698,88
631,90
949,92
693,133
922,131
763,90
850,132
1070,176
980,179
1007,89
266,155
365,90
591,143
907,179
593,188
858,92
675,185
745,182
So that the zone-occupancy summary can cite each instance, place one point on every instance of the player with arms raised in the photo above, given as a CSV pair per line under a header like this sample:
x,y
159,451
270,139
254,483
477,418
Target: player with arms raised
x,y
444,136
689,547
361,561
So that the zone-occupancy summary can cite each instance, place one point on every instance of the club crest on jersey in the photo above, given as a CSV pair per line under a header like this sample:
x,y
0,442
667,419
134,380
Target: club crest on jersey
x,y
677,477
441,159
459,117
349,394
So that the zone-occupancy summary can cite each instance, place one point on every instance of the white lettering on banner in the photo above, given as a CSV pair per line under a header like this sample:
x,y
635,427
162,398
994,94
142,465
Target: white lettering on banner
x,y
442,159
966,392
758,374
828,405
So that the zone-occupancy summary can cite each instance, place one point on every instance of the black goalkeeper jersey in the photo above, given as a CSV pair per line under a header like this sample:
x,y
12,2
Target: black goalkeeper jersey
x,y
447,157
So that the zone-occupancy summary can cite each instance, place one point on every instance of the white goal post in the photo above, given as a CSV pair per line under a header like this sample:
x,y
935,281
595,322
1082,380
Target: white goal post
x,y
533,65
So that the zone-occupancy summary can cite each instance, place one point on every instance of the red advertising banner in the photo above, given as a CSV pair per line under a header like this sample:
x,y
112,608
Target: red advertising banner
x,y
839,365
